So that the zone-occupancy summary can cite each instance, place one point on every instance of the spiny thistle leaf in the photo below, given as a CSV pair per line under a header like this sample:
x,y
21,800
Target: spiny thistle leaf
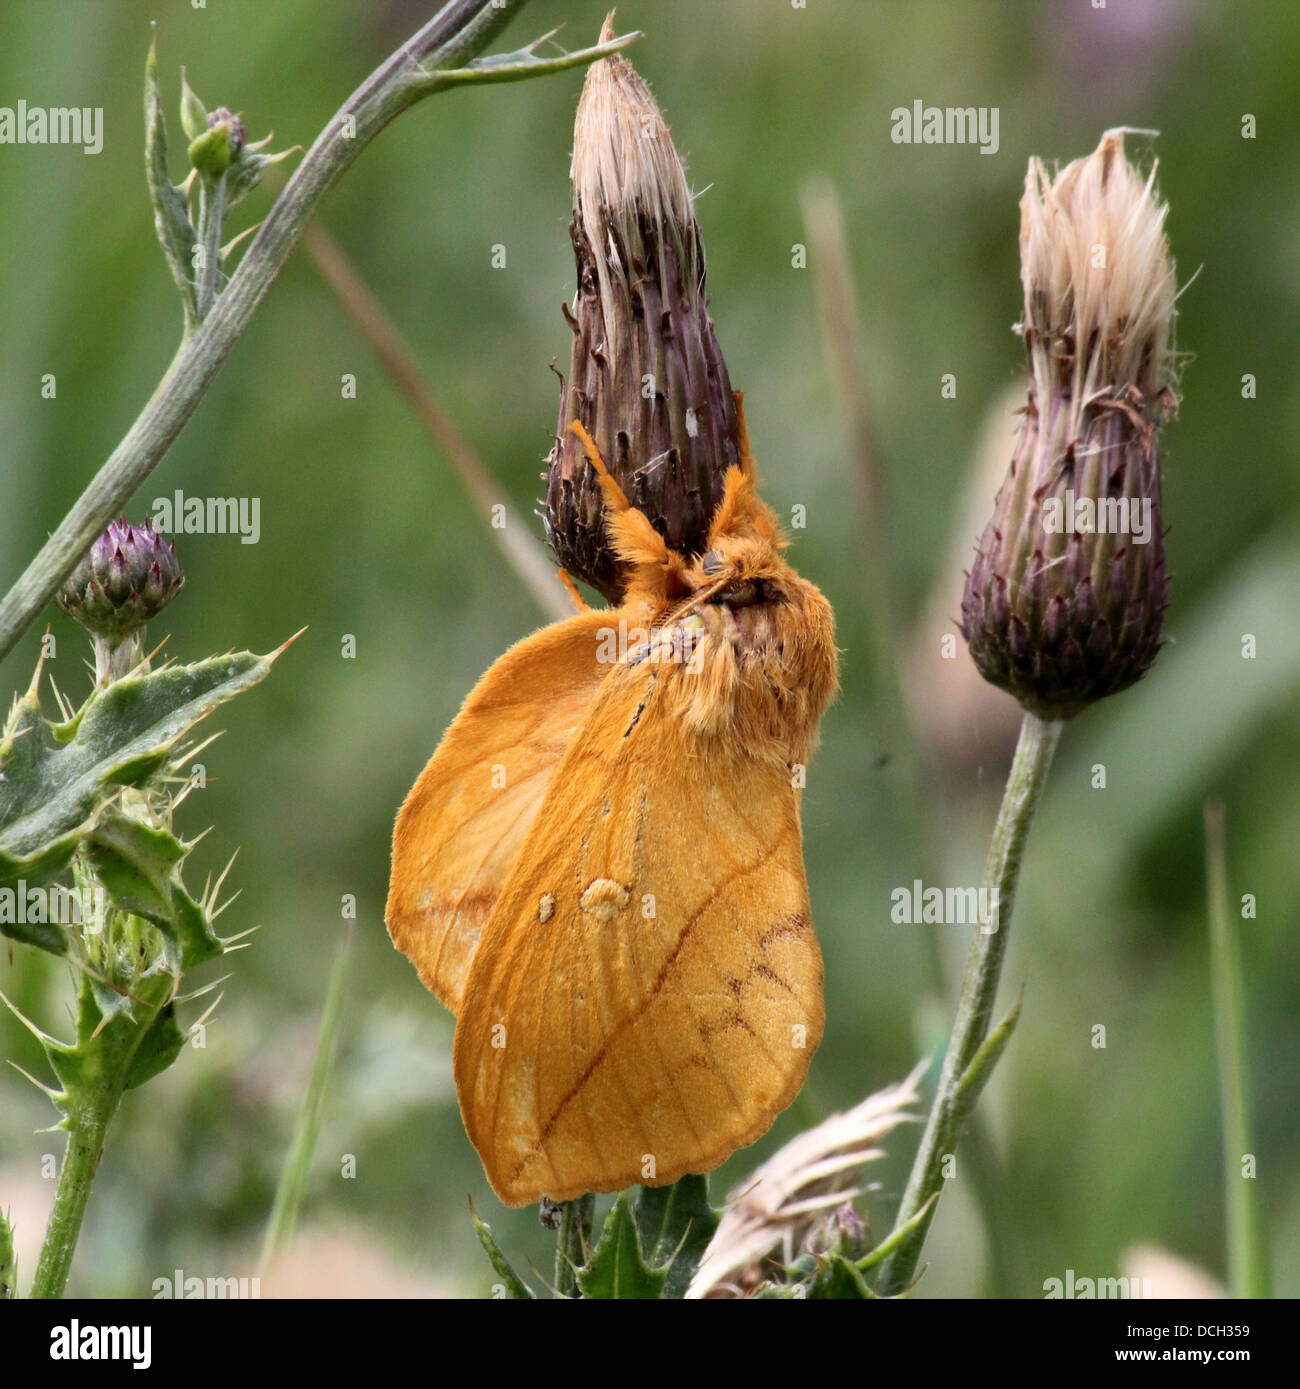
x,y
57,780
119,1049
617,1268
516,1289
156,1050
192,929
675,1224
836,1278
135,862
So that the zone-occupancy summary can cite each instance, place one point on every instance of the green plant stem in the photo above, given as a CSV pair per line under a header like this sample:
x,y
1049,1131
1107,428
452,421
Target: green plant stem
x,y
958,1081
80,1163
571,1244
424,64
1247,1261
103,1072
212,214
297,1164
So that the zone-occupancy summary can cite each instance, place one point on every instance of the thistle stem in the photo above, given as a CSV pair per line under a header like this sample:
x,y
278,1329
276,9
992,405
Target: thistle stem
x,y
570,1247
1029,770
80,1163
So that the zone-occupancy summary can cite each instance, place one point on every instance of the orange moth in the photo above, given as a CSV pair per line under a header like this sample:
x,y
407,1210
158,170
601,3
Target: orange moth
x,y
600,870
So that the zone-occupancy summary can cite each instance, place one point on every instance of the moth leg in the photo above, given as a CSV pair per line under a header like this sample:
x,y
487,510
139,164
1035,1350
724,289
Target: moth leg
x,y
579,602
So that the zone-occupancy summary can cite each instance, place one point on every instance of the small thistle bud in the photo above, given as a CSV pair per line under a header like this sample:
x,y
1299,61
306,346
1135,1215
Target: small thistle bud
x,y
1065,600
128,576
212,152
647,378
842,1232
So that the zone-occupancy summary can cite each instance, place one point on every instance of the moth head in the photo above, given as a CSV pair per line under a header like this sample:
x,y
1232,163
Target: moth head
x,y
742,563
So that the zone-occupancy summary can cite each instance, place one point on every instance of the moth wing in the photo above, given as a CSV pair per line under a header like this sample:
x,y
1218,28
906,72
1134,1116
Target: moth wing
x,y
459,830
648,992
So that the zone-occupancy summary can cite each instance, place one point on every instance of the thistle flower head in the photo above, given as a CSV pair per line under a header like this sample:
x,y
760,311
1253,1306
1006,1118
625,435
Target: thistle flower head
x,y
1065,600
797,1199
1099,284
646,378
127,577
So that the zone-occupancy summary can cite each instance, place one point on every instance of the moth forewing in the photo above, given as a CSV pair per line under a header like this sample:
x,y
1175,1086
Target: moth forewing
x,y
646,995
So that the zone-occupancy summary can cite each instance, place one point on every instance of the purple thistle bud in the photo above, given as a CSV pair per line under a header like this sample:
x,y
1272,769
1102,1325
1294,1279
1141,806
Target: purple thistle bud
x,y
128,576
1065,600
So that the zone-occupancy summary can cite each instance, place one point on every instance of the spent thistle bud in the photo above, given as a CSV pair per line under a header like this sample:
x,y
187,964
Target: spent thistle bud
x,y
128,576
647,378
1065,599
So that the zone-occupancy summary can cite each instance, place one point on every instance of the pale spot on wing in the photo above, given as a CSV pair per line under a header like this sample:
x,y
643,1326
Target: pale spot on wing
x,y
604,899
546,907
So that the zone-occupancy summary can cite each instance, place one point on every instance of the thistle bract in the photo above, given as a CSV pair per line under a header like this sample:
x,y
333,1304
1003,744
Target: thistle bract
x,y
1065,599
128,576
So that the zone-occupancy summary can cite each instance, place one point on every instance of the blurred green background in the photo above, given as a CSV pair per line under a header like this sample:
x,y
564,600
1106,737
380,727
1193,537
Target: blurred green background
x,y
1088,1153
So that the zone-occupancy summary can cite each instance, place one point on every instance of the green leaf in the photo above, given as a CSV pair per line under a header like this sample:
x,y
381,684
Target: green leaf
x,y
8,1264
292,1187
135,862
836,1278
194,115
122,1040
675,1224
137,865
516,1289
519,65
171,210
192,929
57,780
159,1046
900,1237
976,1076
617,1268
